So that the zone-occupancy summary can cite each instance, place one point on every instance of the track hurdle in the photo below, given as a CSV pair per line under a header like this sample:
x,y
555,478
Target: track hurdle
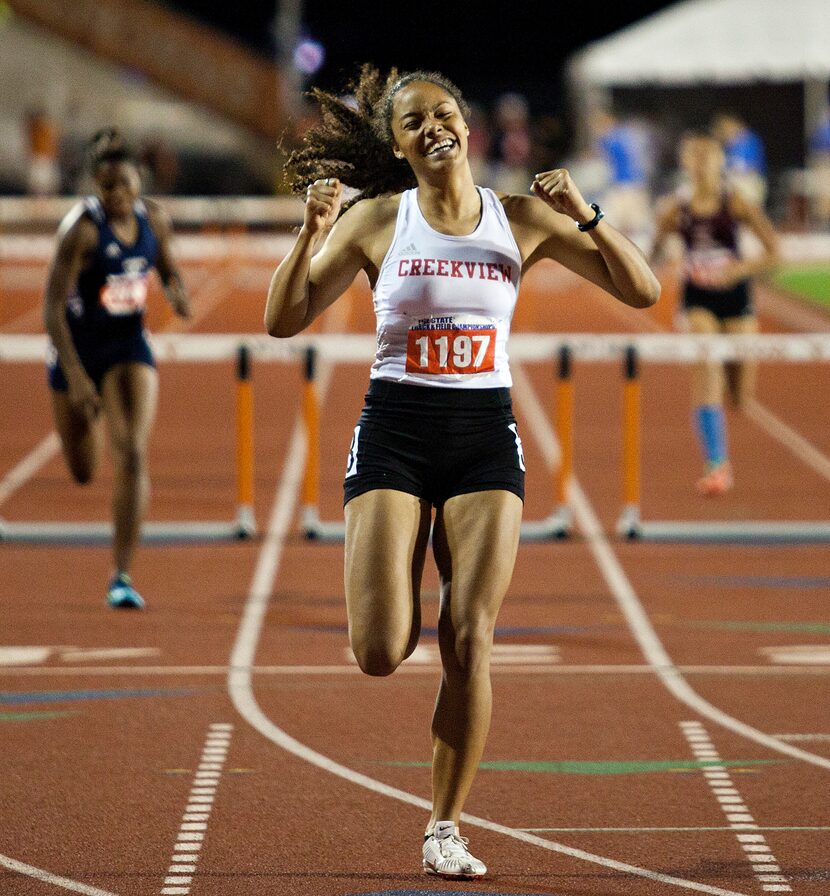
x,y
169,532
632,527
329,532
557,525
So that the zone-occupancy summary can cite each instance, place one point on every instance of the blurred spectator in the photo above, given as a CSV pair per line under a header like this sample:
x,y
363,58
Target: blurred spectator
x,y
44,176
159,165
746,164
510,145
819,165
478,142
624,148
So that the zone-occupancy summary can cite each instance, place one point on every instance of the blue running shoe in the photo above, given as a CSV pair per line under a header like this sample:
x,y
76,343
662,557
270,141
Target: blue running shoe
x,y
122,596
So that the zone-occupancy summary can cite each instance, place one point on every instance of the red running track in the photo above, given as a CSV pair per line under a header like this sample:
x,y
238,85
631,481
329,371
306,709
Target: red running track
x,y
198,729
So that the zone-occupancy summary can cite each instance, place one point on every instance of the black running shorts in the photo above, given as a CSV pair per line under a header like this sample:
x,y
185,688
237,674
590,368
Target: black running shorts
x,y
724,303
435,442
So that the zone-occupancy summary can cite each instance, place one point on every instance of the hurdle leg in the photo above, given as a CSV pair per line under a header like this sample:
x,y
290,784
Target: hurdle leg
x,y
245,519
628,524
310,497
565,431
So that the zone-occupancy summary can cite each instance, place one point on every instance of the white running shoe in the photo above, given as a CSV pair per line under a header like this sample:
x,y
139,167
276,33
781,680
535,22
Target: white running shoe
x,y
446,854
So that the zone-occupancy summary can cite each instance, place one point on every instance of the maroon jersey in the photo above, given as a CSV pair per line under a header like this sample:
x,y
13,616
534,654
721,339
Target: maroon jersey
x,y
711,242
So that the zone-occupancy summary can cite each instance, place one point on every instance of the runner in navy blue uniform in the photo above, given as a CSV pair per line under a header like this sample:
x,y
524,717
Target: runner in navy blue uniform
x,y
100,361
444,258
717,292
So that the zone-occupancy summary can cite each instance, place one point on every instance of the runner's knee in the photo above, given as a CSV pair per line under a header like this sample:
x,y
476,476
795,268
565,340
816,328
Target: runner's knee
x,y
471,644
377,659
129,455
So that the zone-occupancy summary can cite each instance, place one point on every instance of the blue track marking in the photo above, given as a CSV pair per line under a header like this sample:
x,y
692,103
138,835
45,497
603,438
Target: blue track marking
x,y
10,698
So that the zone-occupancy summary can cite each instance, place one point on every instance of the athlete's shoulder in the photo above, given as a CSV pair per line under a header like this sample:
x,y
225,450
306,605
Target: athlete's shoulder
x,y
157,215
377,210
367,224
736,204
79,226
669,205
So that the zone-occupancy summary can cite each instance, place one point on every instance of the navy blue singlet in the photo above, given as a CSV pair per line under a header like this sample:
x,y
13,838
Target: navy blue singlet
x,y
105,310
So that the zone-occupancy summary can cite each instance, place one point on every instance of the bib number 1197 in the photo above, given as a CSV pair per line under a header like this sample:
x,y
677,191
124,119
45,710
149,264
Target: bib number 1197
x,y
451,351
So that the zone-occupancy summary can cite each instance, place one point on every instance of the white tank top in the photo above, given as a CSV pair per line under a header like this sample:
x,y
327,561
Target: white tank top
x,y
444,303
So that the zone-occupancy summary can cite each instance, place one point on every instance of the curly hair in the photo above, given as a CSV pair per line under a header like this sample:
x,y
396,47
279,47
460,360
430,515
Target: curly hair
x,y
353,142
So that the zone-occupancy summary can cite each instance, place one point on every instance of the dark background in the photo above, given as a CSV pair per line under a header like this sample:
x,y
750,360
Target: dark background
x,y
486,48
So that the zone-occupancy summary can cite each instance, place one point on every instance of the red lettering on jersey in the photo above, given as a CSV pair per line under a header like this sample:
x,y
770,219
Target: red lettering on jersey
x,y
491,271
402,271
442,267
471,268
416,268
428,267
456,269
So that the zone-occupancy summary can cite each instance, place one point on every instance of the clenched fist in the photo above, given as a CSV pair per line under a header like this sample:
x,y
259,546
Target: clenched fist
x,y
559,191
322,204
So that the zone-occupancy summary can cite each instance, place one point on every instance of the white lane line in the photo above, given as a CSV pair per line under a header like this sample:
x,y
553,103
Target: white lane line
x,y
633,611
805,737
797,444
191,833
754,845
45,877
23,471
240,684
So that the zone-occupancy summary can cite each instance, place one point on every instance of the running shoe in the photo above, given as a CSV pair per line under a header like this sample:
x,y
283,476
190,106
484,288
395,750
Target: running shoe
x,y
717,481
122,596
446,854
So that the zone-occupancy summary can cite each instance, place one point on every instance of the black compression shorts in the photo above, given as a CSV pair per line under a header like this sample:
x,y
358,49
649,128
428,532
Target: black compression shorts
x,y
435,442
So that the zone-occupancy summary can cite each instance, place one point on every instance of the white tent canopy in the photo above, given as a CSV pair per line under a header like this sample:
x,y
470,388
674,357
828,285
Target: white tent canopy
x,y
714,42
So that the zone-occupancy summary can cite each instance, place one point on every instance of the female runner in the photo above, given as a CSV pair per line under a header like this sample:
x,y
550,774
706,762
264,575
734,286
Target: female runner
x,y
444,258
100,359
717,296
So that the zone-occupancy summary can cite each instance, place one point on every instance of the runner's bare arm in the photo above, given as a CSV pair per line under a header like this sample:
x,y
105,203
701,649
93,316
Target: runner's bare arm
x,y
666,222
753,217
168,269
74,245
547,229
305,283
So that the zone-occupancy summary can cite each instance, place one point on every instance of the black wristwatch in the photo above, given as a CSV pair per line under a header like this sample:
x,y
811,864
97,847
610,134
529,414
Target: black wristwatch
x,y
590,225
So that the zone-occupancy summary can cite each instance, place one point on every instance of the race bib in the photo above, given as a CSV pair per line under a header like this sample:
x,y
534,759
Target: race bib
x,y
451,351
124,294
704,267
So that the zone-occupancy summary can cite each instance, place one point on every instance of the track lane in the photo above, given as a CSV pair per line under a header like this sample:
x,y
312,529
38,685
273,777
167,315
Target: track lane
x,y
290,796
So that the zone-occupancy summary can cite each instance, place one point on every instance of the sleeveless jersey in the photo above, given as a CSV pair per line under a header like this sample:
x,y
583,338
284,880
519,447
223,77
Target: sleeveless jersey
x,y
711,242
110,295
444,303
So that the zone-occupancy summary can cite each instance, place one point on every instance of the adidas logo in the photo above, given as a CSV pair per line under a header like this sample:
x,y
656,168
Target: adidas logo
x,y
411,249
